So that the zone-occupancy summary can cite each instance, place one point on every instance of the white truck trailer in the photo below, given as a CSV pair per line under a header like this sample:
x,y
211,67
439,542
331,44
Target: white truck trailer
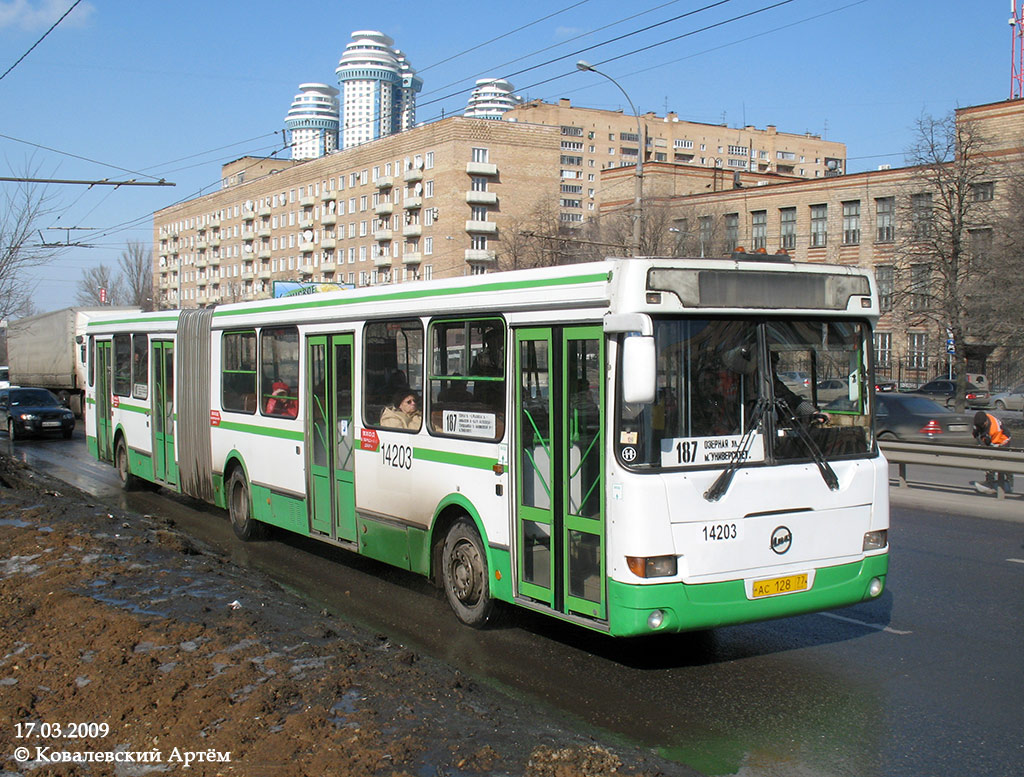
x,y
48,350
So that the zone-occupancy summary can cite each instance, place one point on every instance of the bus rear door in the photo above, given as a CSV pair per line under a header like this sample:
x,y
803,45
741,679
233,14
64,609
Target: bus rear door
x,y
103,409
559,444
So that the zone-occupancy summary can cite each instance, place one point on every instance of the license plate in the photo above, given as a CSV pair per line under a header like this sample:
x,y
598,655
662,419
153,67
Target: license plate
x,y
780,585
51,423
958,427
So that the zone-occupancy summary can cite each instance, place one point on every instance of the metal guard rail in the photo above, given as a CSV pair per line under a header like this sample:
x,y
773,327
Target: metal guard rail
x,y
995,459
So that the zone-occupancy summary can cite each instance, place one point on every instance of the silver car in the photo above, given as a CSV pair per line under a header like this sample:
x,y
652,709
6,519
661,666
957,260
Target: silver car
x,y
1009,400
917,419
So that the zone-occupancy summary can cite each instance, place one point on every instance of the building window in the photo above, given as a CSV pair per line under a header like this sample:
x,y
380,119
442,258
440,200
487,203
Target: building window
x,y
480,155
851,223
921,214
739,150
883,350
572,160
917,350
759,229
920,286
819,225
885,276
705,230
478,183
478,213
983,192
980,242
478,242
885,213
732,231
787,228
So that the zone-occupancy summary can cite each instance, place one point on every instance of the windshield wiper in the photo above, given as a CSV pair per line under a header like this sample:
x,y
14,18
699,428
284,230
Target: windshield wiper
x,y
721,484
827,473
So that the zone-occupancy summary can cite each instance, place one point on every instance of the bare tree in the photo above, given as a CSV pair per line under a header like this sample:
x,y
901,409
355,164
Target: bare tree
x,y
136,263
23,209
939,278
540,239
95,279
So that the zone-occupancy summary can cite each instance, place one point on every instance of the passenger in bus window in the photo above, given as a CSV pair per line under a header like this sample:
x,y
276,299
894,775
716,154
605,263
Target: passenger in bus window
x,y
404,412
281,402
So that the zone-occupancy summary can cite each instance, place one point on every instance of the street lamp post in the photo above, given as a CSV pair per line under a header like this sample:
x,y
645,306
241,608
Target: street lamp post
x,y
638,187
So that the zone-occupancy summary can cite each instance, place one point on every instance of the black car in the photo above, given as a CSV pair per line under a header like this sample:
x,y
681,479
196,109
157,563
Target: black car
x,y
27,412
916,419
944,391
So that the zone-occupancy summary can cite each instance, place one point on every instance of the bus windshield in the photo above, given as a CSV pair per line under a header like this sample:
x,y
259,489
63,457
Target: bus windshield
x,y
753,391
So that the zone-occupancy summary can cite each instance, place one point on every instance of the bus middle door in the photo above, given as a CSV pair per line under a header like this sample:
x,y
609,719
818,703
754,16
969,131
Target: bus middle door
x,y
559,446
103,408
329,436
165,467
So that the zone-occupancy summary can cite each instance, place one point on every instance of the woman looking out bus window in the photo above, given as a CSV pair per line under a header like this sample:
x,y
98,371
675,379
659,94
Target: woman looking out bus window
x,y
404,412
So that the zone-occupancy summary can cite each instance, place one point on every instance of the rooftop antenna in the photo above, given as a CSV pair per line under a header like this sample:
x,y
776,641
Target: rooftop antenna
x,y
1016,49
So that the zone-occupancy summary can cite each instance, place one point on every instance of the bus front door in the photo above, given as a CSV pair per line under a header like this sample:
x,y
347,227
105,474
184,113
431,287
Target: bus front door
x,y
329,435
559,443
165,467
103,410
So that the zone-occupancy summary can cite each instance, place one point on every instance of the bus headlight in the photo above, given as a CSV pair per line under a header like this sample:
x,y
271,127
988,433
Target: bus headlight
x,y
874,587
655,620
652,566
875,540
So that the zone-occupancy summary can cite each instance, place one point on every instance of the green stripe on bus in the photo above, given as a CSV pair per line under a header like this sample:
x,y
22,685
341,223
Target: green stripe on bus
x,y
266,431
418,294
150,319
458,459
132,408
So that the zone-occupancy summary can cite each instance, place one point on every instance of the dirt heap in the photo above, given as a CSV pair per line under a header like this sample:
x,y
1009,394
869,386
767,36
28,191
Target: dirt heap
x,y
128,649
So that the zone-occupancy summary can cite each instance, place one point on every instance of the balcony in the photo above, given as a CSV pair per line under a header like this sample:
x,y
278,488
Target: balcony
x,y
248,275
382,261
383,209
306,222
202,245
384,182
328,196
201,263
481,198
263,253
328,266
307,247
264,232
202,282
248,235
412,176
264,212
383,234
412,230
264,275
411,203
481,168
412,258
306,270
328,243
482,227
248,215
307,202
214,261
478,255
329,219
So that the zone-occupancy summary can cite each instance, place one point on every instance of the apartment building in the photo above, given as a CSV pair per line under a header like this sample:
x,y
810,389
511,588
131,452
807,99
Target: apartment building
x,y
862,219
594,140
428,202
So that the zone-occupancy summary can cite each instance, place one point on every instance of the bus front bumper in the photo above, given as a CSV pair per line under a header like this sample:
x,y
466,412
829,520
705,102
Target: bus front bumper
x,y
637,610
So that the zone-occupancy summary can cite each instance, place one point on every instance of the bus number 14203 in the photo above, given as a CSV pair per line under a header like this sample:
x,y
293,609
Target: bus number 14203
x,y
399,456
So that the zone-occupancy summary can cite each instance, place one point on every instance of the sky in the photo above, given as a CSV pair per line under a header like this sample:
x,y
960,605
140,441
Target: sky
x,y
146,90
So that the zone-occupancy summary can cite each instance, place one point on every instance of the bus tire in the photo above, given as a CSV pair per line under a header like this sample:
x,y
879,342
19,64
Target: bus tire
x,y
124,473
240,508
464,575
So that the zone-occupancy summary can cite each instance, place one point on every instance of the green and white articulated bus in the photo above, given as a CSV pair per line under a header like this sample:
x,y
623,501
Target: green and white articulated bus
x,y
633,445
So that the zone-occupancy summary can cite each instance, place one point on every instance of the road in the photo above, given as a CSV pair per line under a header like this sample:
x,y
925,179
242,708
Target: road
x,y
927,680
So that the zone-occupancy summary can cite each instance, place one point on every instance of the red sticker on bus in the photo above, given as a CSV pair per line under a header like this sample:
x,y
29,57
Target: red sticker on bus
x,y
368,440
215,418
115,401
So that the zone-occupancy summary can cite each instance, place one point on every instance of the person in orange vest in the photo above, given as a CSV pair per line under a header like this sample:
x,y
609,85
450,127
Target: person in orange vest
x,y
988,431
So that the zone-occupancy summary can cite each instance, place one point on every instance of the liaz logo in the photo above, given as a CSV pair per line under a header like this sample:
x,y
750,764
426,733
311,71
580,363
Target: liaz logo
x,y
782,539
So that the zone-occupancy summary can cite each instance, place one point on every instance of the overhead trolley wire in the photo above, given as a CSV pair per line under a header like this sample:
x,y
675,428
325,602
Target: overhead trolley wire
x,y
52,28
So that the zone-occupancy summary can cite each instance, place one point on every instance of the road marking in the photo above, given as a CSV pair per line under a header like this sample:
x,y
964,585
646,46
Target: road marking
x,y
1016,560
877,626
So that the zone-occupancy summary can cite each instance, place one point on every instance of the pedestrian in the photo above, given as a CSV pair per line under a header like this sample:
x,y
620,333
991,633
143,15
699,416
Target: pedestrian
x,y
988,431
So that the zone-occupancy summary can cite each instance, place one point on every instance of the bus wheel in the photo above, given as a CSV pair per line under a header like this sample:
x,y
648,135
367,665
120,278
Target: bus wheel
x,y
240,508
124,473
464,575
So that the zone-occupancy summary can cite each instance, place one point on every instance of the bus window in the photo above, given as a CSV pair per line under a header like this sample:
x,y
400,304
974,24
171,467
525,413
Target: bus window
x,y
467,379
393,364
238,371
140,366
123,365
279,372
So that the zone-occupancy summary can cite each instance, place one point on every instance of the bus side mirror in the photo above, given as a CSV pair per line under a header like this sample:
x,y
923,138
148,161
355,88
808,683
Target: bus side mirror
x,y
639,369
